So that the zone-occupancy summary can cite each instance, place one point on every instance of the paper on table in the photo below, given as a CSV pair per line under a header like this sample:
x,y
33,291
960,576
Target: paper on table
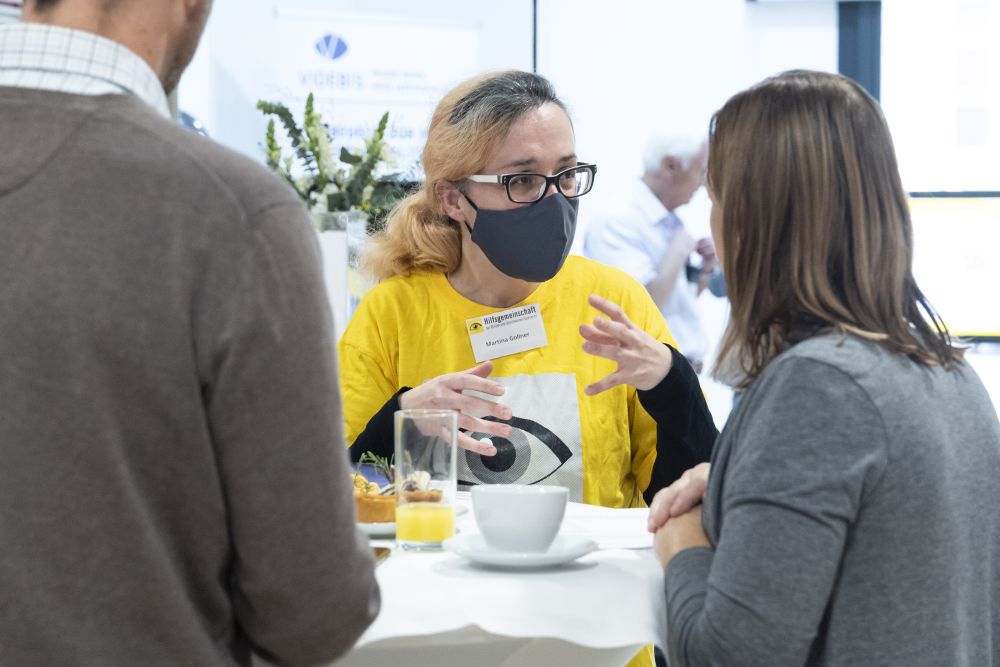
x,y
610,528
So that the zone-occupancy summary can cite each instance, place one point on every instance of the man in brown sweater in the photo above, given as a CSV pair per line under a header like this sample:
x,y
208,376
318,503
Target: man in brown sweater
x,y
174,485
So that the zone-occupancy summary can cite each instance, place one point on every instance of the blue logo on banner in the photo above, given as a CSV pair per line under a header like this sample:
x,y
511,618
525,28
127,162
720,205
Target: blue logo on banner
x,y
331,46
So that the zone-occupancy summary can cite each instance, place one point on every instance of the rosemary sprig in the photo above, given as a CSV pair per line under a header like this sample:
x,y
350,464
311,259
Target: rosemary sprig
x,y
382,465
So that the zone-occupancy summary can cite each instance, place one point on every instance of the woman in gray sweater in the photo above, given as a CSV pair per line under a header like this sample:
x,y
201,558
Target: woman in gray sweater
x,y
851,512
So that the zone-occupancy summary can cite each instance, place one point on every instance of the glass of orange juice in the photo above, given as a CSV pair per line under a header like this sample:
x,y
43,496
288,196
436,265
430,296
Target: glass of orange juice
x,y
426,462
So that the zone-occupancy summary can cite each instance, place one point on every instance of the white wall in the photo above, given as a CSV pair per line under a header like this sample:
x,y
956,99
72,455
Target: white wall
x,y
941,91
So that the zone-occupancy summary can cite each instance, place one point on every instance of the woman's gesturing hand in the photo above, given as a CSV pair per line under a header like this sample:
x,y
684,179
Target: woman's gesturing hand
x,y
642,360
445,392
679,497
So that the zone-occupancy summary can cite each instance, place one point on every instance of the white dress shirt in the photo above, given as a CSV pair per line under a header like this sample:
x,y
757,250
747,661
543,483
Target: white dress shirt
x,y
633,234
48,57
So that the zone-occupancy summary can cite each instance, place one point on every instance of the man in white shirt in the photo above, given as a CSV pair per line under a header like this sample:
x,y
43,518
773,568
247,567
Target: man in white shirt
x,y
640,234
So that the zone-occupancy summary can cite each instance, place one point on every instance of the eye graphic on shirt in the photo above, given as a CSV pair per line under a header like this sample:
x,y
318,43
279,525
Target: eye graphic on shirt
x,y
530,455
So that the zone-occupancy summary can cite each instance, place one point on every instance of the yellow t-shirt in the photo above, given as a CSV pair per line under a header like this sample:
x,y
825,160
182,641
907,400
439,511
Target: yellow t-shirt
x,y
411,329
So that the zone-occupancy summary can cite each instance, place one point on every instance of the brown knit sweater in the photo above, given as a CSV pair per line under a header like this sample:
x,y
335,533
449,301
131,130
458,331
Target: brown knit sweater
x,y
173,478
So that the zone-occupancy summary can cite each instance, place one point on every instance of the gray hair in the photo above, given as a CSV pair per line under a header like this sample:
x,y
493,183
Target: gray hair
x,y
682,146
504,98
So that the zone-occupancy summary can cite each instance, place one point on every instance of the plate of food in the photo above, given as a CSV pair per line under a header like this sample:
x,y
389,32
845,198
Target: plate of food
x,y
375,504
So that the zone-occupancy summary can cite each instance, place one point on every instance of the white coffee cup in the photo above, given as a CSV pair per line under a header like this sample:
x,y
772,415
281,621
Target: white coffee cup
x,y
519,517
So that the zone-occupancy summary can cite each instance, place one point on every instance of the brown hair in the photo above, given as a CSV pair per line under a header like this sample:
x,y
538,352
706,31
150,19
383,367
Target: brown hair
x,y
42,5
467,125
816,230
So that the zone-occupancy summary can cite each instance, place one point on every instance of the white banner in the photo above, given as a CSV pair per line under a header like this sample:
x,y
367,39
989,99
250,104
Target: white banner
x,y
360,67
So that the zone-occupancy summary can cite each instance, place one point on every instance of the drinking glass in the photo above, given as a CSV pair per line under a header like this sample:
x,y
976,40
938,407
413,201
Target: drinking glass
x,y
426,460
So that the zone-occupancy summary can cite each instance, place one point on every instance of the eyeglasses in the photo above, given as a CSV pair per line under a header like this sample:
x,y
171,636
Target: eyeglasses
x,y
529,188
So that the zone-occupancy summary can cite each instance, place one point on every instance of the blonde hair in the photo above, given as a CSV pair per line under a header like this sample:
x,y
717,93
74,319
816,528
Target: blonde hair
x,y
816,230
467,125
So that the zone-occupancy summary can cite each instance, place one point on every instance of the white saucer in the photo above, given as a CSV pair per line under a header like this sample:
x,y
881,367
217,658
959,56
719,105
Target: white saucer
x,y
388,528
564,549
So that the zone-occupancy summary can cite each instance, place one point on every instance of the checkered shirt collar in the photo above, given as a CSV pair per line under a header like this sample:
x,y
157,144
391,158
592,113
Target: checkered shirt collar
x,y
35,55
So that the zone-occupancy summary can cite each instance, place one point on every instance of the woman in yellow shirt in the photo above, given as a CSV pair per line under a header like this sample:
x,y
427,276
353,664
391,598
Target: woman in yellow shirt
x,y
478,308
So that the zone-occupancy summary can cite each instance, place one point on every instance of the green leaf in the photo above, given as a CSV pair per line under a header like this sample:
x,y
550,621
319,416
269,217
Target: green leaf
x,y
299,142
276,161
349,157
337,201
386,194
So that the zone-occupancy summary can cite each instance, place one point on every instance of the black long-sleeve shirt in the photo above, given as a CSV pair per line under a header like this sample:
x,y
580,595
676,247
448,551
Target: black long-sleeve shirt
x,y
685,431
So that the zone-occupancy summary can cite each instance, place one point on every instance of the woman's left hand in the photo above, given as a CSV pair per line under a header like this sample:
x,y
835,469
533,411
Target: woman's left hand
x,y
680,533
642,360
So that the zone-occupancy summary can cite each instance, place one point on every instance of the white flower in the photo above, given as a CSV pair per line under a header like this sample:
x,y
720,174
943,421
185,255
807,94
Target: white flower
x,y
387,156
304,184
324,154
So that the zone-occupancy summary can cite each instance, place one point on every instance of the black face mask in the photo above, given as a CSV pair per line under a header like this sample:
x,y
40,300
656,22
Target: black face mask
x,y
528,243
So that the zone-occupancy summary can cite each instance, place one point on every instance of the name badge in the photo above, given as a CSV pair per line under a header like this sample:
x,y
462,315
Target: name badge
x,y
507,332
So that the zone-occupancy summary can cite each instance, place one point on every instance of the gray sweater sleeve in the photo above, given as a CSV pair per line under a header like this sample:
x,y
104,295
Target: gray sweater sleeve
x,y
302,579
808,447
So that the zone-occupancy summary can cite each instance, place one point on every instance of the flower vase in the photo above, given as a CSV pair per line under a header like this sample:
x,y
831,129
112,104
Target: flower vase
x,y
342,236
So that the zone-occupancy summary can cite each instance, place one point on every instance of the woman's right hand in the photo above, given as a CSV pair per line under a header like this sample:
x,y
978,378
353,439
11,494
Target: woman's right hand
x,y
445,393
642,360
679,497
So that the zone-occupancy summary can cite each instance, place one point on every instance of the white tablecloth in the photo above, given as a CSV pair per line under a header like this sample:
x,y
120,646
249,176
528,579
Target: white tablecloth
x,y
440,609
